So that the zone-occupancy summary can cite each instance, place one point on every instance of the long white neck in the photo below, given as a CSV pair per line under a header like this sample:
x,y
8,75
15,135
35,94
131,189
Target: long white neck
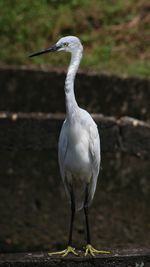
x,y
71,104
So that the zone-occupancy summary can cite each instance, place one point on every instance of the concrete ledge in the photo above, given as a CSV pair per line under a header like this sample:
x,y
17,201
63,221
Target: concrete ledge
x,y
30,89
38,131
118,258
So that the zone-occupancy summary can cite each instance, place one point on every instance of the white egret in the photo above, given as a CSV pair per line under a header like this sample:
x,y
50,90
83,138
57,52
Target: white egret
x,y
79,146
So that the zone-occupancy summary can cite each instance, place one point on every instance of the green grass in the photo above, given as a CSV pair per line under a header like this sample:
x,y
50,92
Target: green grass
x,y
115,34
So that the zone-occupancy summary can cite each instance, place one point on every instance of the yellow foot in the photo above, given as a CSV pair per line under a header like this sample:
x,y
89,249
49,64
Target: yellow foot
x,y
64,252
92,251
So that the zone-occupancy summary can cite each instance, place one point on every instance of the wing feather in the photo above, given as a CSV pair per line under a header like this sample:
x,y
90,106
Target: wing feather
x,y
94,148
94,151
62,149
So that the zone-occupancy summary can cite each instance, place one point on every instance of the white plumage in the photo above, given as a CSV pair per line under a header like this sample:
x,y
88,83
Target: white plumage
x,y
79,155
79,144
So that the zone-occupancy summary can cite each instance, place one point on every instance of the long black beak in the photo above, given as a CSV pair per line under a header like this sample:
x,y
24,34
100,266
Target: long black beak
x,y
51,49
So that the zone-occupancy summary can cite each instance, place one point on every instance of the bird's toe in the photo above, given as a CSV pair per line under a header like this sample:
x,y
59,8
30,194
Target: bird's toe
x,y
64,252
92,251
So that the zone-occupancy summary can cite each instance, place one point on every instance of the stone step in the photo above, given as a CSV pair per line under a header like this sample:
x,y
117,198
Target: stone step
x,y
38,131
31,90
34,210
118,258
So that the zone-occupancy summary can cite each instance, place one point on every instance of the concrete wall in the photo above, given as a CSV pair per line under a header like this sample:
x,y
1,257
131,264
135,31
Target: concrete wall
x,y
34,212
30,90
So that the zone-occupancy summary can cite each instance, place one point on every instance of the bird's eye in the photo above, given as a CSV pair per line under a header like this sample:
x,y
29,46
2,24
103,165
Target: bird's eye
x,y
66,44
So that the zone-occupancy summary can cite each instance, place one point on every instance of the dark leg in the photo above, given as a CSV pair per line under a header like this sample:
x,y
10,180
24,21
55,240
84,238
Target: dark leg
x,y
86,217
72,218
89,248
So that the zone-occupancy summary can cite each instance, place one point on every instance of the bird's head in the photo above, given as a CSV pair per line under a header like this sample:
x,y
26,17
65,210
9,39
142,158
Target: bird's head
x,y
67,44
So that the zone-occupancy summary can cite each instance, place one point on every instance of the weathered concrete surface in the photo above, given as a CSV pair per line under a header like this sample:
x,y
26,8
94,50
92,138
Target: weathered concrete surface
x,y
34,209
39,131
34,90
117,258
35,212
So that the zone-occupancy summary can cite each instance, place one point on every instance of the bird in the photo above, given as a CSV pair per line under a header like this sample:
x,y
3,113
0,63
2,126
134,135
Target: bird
x,y
78,147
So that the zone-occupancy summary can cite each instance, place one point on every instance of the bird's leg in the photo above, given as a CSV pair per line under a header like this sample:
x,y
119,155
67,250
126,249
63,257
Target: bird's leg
x,y
69,248
90,250
88,236
72,217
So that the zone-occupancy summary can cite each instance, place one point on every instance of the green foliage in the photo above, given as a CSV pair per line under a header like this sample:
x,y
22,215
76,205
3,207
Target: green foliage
x,y
110,31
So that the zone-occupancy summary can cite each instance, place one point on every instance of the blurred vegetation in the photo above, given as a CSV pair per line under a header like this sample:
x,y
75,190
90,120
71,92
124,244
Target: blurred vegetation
x,y
115,34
